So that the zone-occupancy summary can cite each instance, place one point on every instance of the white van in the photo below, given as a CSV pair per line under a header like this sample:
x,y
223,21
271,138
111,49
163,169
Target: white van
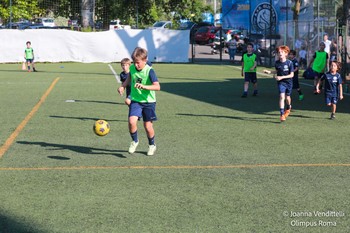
x,y
46,22
162,25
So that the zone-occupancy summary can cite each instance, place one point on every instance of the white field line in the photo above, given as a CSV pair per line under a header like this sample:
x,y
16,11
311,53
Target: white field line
x,y
114,73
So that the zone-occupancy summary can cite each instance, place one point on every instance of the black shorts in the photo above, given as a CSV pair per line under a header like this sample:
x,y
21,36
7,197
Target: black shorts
x,y
250,77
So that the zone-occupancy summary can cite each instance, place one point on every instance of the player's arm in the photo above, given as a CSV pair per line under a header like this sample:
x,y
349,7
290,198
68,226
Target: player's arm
x,y
285,76
327,63
296,68
155,86
121,89
311,61
341,91
255,65
270,71
319,82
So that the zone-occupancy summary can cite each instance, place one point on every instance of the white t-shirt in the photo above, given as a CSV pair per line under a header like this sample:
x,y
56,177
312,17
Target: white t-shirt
x,y
328,46
302,54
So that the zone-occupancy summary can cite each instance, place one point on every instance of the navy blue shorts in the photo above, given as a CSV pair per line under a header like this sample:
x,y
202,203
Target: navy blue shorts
x,y
331,100
250,77
285,86
145,110
29,60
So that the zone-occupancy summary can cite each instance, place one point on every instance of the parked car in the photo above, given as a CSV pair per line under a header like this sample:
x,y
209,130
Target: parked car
x,y
46,22
162,25
116,24
205,35
193,27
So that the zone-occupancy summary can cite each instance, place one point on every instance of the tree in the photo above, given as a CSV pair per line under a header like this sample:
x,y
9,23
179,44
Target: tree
x,y
296,11
20,9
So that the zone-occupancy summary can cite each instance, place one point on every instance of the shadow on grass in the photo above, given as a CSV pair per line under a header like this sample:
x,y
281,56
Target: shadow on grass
x,y
10,225
75,148
86,118
228,94
269,118
99,102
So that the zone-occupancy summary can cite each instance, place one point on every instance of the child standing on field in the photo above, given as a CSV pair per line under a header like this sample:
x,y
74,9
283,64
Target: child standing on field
x,y
143,82
284,75
292,57
29,56
319,64
333,87
249,64
125,64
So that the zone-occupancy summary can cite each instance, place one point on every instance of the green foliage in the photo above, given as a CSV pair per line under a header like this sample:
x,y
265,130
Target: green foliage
x,y
147,11
20,9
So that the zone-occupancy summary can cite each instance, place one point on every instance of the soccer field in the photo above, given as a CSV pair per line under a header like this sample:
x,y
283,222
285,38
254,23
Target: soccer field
x,y
223,163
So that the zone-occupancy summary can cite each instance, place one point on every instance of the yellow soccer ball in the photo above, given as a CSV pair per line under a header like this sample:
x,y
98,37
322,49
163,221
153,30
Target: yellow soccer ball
x,y
101,127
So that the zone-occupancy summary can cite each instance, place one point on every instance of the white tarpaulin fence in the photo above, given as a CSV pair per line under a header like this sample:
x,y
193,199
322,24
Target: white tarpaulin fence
x,y
57,45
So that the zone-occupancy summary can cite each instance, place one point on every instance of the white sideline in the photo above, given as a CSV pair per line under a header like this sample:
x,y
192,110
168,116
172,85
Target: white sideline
x,y
114,73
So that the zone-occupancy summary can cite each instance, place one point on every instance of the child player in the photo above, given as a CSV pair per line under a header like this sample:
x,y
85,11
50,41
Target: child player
x,y
284,75
125,64
143,82
319,64
292,57
29,56
333,87
249,65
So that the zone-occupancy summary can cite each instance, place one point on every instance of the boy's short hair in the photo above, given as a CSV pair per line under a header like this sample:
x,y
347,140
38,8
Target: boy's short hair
x,y
250,43
139,54
293,52
125,61
28,42
284,48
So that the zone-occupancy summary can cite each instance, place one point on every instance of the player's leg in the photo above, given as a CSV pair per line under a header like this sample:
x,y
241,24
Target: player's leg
x,y
316,84
282,99
288,93
334,101
127,101
149,115
28,64
246,84
33,65
254,80
134,114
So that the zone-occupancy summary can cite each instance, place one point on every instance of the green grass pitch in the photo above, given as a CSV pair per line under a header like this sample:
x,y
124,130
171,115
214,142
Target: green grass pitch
x,y
223,164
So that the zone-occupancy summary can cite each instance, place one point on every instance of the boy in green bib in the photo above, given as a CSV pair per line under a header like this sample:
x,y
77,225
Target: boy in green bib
x,y
143,82
319,63
249,64
29,56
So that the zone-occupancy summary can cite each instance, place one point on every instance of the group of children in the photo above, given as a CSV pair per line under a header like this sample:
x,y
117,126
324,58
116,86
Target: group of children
x,y
286,75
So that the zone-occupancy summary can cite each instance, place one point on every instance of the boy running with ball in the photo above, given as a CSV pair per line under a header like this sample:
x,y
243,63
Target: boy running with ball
x,y
143,82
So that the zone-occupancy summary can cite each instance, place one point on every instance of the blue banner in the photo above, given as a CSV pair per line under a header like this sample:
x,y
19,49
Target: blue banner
x,y
262,16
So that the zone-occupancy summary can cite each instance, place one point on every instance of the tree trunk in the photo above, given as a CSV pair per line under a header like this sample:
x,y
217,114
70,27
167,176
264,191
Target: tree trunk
x,y
296,11
87,13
